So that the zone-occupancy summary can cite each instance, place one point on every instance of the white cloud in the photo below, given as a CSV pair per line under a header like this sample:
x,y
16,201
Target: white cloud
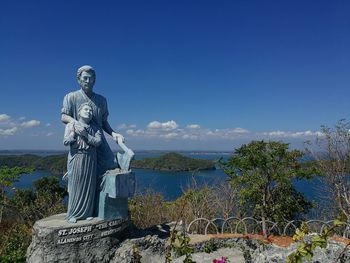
x,y
229,134
130,132
193,126
169,130
4,117
189,137
169,125
48,124
138,132
50,134
275,133
240,130
22,118
288,134
29,124
171,135
8,132
125,126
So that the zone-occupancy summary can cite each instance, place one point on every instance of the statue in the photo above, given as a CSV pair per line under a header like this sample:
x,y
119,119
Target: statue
x,y
83,138
99,185
110,177
86,77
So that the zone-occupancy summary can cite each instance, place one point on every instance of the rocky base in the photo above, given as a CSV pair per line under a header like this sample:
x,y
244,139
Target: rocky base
x,y
104,241
55,240
152,249
333,253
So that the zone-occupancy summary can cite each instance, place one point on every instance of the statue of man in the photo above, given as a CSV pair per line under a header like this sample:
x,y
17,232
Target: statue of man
x,y
71,103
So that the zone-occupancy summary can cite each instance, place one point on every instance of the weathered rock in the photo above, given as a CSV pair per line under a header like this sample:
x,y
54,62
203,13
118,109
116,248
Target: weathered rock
x,y
232,254
328,255
51,245
151,249
333,253
55,240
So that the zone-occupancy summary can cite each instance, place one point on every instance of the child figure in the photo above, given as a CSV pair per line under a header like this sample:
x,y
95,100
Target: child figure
x,y
83,138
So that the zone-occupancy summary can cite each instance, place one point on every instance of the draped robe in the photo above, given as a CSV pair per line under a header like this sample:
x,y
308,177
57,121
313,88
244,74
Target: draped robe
x,y
81,170
71,103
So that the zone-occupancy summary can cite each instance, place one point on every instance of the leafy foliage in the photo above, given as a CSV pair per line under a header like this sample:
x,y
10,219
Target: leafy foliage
x,y
7,177
22,210
179,244
14,243
308,244
183,248
263,173
210,246
44,199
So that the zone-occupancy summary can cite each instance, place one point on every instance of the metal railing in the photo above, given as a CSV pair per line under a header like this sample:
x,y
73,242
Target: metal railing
x,y
250,225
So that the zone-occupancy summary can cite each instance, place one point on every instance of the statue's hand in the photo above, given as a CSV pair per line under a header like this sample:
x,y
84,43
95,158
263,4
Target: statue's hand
x,y
80,130
117,137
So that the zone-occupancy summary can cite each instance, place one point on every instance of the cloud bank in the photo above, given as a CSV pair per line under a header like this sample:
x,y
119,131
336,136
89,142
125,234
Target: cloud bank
x,y
10,126
166,126
170,130
31,123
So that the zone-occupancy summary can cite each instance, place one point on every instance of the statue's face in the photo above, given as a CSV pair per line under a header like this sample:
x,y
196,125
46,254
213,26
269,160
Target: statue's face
x,y
86,112
86,81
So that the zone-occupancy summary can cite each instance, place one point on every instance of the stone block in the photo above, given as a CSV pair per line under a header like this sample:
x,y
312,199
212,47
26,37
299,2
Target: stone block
x,y
116,188
56,240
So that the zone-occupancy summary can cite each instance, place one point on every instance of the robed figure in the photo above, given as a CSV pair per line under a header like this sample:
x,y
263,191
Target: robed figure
x,y
83,139
72,101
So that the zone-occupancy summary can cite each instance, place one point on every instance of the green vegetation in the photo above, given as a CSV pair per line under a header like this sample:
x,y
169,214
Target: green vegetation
x,y
180,245
260,174
7,177
308,244
331,152
263,173
173,162
56,164
22,210
14,238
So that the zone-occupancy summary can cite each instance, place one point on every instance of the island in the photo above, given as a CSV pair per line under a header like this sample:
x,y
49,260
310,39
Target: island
x,y
56,164
174,162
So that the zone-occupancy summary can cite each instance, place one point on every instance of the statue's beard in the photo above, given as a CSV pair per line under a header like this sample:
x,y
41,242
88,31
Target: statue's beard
x,y
86,88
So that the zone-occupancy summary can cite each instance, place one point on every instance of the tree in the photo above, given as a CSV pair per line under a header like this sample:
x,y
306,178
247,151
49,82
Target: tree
x,y
26,206
263,173
45,198
331,150
7,177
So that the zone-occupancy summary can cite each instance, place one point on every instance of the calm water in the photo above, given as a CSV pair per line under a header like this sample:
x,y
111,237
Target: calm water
x,y
172,184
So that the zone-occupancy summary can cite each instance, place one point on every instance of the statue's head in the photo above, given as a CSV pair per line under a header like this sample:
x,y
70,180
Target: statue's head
x,y
85,112
86,77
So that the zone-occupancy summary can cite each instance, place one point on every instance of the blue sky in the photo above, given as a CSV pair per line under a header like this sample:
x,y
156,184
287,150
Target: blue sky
x,y
177,74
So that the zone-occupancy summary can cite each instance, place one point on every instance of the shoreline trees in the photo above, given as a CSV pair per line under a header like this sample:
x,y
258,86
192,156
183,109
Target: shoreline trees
x,y
263,173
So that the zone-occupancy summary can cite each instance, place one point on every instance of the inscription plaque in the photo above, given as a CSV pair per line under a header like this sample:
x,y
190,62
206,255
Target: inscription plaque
x,y
88,233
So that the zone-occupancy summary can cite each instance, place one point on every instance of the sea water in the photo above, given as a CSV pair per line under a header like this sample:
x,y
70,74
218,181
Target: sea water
x,y
172,184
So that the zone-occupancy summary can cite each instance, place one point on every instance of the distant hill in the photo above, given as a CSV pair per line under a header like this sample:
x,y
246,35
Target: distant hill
x,y
174,162
57,164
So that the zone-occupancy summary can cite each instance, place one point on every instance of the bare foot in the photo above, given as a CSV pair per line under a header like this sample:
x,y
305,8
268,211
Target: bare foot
x,y
72,220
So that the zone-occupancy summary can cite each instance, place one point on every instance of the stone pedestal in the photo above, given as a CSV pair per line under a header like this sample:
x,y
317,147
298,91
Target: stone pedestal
x,y
55,240
116,187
